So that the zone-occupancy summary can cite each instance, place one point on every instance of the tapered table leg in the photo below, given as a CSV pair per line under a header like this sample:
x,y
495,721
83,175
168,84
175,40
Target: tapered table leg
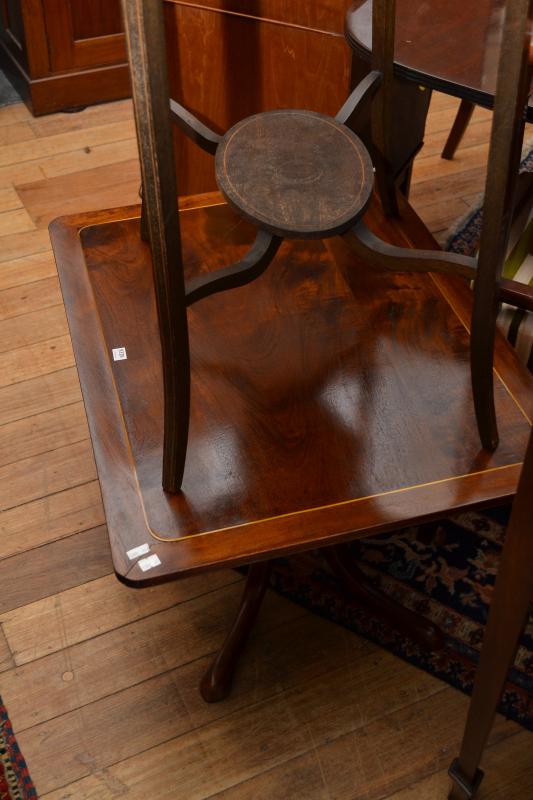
x,y
217,681
466,109
421,630
508,615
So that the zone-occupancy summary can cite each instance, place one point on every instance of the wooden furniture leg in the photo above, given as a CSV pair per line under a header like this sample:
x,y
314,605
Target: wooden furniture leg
x,y
513,594
514,78
145,233
383,27
421,630
460,124
217,681
145,35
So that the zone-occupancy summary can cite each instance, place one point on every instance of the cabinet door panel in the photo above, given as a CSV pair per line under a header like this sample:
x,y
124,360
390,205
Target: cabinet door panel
x,y
104,19
12,18
84,33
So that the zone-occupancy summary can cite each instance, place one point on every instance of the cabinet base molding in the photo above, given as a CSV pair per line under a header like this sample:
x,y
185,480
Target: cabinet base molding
x,y
69,90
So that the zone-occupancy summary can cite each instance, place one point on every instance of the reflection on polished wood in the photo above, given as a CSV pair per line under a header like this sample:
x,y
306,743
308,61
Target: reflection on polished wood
x,y
328,401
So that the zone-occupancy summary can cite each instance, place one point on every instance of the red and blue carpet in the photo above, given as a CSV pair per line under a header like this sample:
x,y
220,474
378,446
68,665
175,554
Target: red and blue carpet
x,y
448,580
15,781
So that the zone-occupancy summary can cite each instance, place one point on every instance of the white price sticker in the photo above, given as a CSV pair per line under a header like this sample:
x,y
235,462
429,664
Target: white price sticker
x,y
149,563
119,354
138,551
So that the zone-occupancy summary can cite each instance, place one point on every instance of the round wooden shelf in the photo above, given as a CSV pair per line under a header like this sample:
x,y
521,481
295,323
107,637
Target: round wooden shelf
x,y
297,174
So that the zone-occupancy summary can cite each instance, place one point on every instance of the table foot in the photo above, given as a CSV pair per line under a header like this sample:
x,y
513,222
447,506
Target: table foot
x,y
463,789
217,681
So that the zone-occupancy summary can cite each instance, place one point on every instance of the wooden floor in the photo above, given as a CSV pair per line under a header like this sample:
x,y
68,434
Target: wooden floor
x,y
100,680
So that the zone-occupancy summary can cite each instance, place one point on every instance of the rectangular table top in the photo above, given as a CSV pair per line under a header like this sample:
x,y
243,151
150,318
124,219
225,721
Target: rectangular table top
x,y
328,401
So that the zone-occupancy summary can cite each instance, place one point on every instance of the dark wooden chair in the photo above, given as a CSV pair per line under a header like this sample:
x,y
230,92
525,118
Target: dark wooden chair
x,y
299,174
508,615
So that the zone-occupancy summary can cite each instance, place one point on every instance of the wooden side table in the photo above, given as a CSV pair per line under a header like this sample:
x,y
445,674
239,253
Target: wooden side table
x,y
447,45
329,402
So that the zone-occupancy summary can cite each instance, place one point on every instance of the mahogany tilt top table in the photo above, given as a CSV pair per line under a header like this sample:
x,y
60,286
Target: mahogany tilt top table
x,y
329,402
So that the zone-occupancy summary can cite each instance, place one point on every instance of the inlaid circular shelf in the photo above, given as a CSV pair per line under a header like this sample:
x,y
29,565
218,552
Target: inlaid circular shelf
x,y
297,174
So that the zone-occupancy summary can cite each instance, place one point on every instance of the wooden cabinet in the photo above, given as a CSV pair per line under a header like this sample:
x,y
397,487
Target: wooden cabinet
x,y
84,35
64,53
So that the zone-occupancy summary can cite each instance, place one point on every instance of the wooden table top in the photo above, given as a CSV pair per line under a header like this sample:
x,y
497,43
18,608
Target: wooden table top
x,y
328,402
449,45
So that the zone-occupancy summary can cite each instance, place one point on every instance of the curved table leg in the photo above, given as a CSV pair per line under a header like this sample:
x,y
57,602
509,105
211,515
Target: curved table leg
x,y
250,267
421,630
217,681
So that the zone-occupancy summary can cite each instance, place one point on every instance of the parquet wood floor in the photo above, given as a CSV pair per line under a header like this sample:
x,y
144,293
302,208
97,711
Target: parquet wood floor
x,y
101,680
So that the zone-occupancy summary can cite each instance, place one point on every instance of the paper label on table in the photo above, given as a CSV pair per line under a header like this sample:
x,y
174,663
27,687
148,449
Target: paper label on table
x,y
138,551
149,563
119,354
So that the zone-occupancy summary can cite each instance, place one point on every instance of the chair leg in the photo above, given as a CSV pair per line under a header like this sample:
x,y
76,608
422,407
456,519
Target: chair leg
x,y
421,630
513,594
482,338
217,681
460,124
145,235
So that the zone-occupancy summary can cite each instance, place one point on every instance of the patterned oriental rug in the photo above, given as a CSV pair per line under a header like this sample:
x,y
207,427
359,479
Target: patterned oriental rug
x,y
15,781
449,580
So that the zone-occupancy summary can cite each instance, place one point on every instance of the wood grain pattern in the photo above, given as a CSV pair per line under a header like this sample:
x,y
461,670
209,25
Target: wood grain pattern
x,y
34,296
32,396
41,628
87,684
509,764
36,359
42,433
52,568
30,268
46,198
6,659
36,326
51,517
62,468
400,731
